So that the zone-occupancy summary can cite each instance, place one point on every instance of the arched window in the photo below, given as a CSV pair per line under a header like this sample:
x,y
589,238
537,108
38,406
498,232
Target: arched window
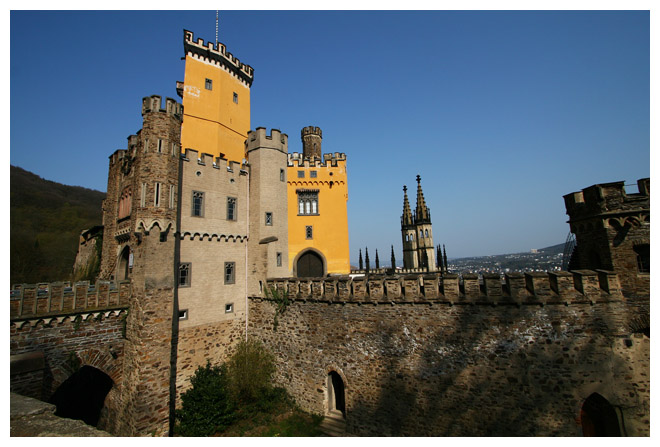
x,y
421,234
124,203
427,233
308,200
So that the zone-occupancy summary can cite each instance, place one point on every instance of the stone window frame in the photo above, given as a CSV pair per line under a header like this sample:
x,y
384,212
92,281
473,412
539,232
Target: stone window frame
x,y
229,272
308,202
282,175
197,195
313,174
125,203
183,279
235,98
278,259
229,308
172,196
309,232
269,219
143,195
232,208
183,314
157,194
301,174
208,84
159,147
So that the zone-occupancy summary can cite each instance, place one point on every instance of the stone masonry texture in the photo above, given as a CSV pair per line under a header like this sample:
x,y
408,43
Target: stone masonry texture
x,y
461,370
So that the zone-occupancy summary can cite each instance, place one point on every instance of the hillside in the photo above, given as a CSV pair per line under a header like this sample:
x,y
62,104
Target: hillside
x,y
46,219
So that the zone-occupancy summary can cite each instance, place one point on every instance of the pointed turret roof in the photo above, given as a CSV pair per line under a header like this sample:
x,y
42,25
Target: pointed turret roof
x,y
406,218
422,212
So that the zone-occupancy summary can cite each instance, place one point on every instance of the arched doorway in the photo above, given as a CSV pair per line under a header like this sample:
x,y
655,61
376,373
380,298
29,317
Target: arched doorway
x,y
599,417
336,395
123,265
310,264
82,395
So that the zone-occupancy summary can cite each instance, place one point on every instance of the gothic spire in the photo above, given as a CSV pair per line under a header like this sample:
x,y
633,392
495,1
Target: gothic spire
x,y
406,218
422,213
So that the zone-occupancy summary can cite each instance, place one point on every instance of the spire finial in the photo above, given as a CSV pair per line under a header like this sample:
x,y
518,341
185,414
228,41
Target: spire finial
x,y
405,188
419,179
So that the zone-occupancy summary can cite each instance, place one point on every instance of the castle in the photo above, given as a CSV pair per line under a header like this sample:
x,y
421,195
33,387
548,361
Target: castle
x,y
204,216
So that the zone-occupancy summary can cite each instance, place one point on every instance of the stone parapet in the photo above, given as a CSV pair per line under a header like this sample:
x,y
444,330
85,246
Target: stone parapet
x,y
516,288
61,298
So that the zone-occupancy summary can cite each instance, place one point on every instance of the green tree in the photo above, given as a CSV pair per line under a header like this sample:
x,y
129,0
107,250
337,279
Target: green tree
x,y
206,408
250,371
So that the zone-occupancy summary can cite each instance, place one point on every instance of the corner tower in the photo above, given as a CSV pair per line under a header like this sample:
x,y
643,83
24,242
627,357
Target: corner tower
x,y
216,100
318,221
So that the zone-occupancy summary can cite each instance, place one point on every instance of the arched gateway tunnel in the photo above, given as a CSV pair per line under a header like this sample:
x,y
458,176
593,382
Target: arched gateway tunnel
x,y
67,344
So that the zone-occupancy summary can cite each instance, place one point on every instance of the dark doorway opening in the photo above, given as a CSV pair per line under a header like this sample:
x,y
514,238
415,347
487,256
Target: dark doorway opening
x,y
82,395
123,270
336,396
599,417
309,264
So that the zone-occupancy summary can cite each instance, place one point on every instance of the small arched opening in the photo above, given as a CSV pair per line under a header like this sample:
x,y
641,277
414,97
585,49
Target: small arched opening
x,y
599,417
310,265
82,395
123,266
336,394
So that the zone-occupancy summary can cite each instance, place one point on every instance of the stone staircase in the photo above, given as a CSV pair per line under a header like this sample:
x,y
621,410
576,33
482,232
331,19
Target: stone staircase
x,y
334,424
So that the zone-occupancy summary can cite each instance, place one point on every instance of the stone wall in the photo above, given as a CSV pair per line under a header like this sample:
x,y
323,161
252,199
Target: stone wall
x,y
443,369
65,344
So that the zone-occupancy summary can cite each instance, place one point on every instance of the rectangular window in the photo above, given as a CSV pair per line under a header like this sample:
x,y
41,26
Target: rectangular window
x,y
301,174
230,272
279,259
208,84
308,201
172,196
269,219
231,208
281,175
184,274
143,195
309,234
312,174
183,314
157,194
198,204
229,308
235,98
146,144
160,146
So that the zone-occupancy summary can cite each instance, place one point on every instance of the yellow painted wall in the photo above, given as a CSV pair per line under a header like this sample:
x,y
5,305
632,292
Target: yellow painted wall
x,y
331,225
212,122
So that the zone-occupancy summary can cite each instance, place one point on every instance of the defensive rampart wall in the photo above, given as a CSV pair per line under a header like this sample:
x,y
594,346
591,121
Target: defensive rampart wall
x,y
427,355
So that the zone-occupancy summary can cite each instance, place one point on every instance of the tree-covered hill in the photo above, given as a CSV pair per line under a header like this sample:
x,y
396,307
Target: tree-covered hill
x,y
46,219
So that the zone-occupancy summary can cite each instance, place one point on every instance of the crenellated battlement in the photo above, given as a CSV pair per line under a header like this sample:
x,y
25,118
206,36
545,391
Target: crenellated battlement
x,y
209,162
582,286
311,130
30,301
607,198
152,104
259,139
297,159
218,56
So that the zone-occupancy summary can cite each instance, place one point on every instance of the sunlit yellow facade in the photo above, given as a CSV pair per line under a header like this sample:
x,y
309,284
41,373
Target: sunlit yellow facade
x,y
216,101
329,236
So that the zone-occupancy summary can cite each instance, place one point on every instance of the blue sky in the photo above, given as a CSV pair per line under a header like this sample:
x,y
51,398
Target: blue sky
x,y
500,112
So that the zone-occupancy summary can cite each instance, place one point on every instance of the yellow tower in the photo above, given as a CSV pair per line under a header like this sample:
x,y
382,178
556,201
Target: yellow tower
x,y
216,100
318,221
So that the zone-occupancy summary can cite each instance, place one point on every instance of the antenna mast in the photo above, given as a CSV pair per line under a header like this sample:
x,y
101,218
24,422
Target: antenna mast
x,y
216,28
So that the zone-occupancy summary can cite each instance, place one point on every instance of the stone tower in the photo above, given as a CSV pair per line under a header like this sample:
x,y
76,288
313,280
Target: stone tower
x,y
140,222
425,248
417,233
408,234
612,232
311,139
